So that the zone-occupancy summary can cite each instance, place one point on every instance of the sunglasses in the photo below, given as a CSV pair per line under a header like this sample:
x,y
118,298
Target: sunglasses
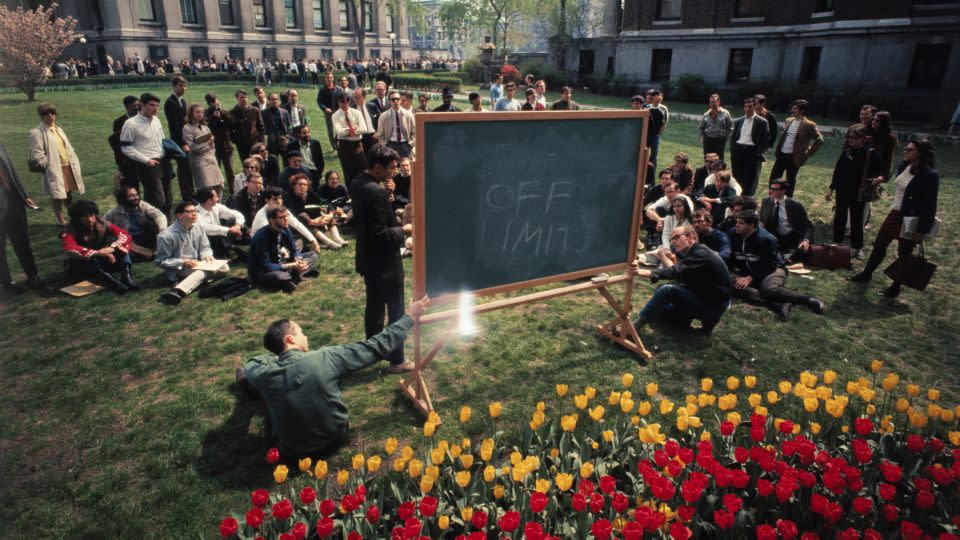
x,y
394,99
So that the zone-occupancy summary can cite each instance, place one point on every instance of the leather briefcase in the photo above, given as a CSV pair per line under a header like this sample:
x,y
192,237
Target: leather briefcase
x,y
829,256
914,271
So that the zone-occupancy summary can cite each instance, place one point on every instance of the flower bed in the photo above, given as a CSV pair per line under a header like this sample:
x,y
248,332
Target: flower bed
x,y
806,459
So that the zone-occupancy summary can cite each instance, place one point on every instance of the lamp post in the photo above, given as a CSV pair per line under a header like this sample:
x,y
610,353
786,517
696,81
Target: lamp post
x,y
393,46
83,43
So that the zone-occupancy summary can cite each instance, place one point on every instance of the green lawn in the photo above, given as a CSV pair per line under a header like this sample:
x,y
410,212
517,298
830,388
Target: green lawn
x,y
122,418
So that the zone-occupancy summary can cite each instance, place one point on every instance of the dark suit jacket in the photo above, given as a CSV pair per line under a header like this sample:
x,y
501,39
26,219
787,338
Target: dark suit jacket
x,y
301,111
760,134
277,125
118,123
221,129
796,215
248,127
316,155
920,198
17,194
374,109
176,118
379,239
327,98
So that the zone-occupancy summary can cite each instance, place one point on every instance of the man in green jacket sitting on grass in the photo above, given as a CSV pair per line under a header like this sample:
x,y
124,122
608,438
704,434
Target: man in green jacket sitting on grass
x,y
301,386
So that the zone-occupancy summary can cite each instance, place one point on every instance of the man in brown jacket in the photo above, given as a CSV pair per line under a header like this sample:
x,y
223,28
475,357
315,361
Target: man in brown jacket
x,y
798,141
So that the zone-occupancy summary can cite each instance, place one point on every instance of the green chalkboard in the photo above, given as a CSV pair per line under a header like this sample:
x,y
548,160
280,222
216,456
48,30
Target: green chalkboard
x,y
507,200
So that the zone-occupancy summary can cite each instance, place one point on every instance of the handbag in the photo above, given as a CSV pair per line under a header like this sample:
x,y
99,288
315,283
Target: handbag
x,y
829,256
909,228
914,271
868,192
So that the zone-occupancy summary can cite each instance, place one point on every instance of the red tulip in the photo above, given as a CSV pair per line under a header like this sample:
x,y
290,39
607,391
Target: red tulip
x,y
787,529
373,514
308,495
282,510
723,519
910,531
915,442
764,487
533,531
601,529
273,456
924,500
633,530
786,427
428,506
406,511
726,428
260,498
890,513
254,517
479,519
509,521
732,503
619,502
766,532
849,534
299,530
538,502
596,503
679,531
863,426
327,507
608,484
228,527
888,491
579,502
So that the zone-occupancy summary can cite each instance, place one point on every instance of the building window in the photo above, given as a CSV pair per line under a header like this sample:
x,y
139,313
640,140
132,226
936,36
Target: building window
x,y
326,54
929,65
660,64
749,8
823,5
199,53
319,22
390,23
226,12
290,13
351,54
158,52
236,53
368,16
344,16
147,11
810,65
299,54
374,53
668,9
188,11
739,68
269,54
259,13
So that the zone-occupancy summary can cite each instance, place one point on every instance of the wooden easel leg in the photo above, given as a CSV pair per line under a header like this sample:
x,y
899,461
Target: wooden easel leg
x,y
627,337
413,385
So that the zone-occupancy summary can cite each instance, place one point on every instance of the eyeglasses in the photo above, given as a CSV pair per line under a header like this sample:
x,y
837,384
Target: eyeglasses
x,y
47,113
777,188
394,99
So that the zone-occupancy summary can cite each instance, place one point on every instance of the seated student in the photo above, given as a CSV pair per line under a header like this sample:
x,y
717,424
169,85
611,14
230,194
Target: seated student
x,y
324,225
273,197
739,204
705,290
717,197
335,194
139,218
311,153
275,262
531,103
180,248
222,225
760,273
249,200
294,166
250,165
301,387
681,213
700,175
269,168
401,183
682,173
718,168
96,249
710,237
657,210
787,220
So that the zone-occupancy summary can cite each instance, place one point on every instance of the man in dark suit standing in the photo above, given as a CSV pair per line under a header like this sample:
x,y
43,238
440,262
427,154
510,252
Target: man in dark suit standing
x,y
247,124
787,220
13,224
747,145
327,101
175,109
377,105
379,240
221,126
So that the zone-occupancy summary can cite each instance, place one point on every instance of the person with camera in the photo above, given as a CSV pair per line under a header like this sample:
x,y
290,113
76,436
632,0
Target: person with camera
x,y
857,174
275,262
97,250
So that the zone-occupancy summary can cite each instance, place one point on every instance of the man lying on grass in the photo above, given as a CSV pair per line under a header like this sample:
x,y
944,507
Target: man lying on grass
x,y
301,386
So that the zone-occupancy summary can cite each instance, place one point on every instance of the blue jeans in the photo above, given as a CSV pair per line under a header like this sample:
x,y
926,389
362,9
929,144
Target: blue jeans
x,y
676,305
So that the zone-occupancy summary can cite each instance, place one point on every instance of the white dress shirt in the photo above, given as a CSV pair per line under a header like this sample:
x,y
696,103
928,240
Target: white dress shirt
x,y
143,137
342,129
210,219
746,131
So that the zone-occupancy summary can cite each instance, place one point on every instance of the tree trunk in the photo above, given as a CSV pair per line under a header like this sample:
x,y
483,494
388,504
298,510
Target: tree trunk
x,y
358,25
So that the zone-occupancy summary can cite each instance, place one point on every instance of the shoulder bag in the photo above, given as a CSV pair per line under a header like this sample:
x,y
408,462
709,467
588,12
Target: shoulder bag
x,y
914,271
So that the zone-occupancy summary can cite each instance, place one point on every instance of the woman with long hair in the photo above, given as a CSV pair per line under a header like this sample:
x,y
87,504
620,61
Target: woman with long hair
x,y
916,187
681,214
203,155
856,166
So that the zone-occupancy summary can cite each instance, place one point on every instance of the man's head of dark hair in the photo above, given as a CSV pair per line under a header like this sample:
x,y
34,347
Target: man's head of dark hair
x,y
750,101
703,214
750,217
275,211
120,194
240,92
299,129
530,92
342,97
204,195
744,202
182,207
779,183
761,99
147,97
210,97
667,172
381,155
474,95
272,192
801,104
177,80
129,100
82,209
274,340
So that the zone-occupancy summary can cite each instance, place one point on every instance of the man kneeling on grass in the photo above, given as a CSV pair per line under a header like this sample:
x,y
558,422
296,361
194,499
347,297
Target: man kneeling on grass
x,y
301,386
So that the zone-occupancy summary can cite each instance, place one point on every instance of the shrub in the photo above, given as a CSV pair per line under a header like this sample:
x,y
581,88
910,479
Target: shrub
x,y
691,87
430,83
474,70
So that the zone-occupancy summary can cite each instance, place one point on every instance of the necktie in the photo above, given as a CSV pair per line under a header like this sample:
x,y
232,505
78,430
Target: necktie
x,y
399,132
775,219
349,125
183,104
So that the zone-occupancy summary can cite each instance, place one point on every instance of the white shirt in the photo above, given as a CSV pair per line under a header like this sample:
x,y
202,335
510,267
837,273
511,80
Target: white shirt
x,y
789,138
783,224
663,203
711,180
900,187
746,130
367,121
507,104
294,116
210,219
342,129
260,221
144,137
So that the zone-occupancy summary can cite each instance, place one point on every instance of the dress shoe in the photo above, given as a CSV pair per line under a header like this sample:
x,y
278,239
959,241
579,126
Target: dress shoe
x,y
115,285
171,297
892,291
13,288
402,367
127,279
817,305
34,282
861,277
288,286
782,310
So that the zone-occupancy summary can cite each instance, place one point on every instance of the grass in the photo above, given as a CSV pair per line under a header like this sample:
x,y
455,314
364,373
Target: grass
x,y
122,418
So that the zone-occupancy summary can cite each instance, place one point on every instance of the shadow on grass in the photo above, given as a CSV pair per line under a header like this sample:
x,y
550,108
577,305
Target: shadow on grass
x,y
859,301
231,455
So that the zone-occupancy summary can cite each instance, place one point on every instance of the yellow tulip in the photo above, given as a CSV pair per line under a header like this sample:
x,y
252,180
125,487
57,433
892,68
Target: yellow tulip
x,y
785,387
562,389
342,476
666,406
586,470
463,478
399,465
727,402
466,514
429,428
304,464
432,471
438,455
811,404
644,408
800,390
495,409
443,522
280,474
466,460
433,417
541,406
845,428
750,381
694,421
823,392
876,365
867,394
691,399
652,389
890,382
933,410
933,394
538,418
373,463
486,449
614,397
518,474
590,392
465,443
406,453
426,484
635,419
918,420
871,409
829,376
320,469
754,400
568,422
913,390
902,405
414,468
564,481
498,491
706,384
543,485
626,380
597,413
705,436
357,461
390,446
691,409
608,435
761,410
853,387
651,434
465,414
626,394
733,383
682,423
515,458
946,415
455,450
954,437
554,453
734,418
814,428
626,405
489,473
580,400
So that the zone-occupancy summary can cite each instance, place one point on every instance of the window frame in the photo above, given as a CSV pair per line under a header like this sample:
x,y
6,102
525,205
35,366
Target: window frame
x,y
660,15
731,74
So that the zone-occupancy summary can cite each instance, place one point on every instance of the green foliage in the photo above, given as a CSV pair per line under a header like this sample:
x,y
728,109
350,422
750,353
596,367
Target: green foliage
x,y
474,71
431,83
690,87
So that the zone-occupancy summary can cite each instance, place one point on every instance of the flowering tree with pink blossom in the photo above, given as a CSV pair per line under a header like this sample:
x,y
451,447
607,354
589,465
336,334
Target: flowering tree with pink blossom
x,y
30,40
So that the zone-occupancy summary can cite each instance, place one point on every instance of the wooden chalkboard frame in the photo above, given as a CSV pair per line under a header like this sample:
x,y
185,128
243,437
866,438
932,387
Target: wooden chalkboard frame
x,y
419,166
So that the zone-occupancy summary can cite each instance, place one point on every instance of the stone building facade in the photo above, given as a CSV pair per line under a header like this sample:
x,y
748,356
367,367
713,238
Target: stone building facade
x,y
269,29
